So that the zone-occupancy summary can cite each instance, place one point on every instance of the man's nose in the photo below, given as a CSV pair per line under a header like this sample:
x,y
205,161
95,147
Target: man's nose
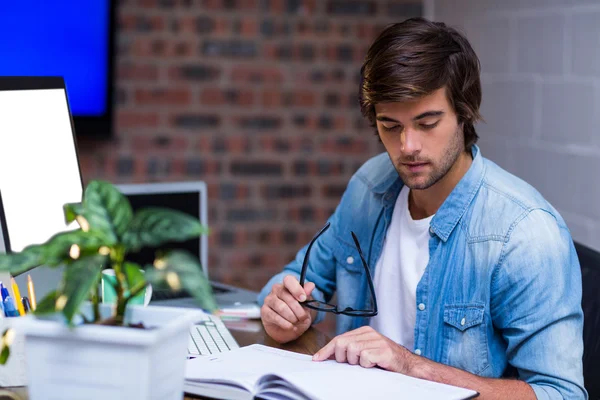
x,y
411,141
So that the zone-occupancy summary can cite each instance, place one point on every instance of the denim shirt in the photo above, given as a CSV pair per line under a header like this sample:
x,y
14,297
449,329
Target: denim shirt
x,y
501,291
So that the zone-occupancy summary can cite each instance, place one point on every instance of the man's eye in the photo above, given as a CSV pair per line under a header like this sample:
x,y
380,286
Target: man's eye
x,y
390,128
430,126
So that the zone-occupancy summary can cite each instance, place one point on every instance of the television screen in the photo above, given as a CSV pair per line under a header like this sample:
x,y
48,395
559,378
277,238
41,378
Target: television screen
x,y
68,38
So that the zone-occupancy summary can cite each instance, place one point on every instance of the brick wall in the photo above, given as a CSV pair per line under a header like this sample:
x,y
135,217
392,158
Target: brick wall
x,y
257,98
541,96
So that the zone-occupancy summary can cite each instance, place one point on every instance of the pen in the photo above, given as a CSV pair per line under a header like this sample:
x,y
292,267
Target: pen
x,y
17,298
4,293
31,291
9,304
26,305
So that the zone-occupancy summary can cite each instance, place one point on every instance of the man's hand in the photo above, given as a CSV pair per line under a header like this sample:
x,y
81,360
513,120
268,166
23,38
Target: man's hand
x,y
282,315
367,347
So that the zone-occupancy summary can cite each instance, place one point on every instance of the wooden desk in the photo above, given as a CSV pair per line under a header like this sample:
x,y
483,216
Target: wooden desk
x,y
309,343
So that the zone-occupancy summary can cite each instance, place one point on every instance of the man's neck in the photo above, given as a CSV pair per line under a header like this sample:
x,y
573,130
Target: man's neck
x,y
424,203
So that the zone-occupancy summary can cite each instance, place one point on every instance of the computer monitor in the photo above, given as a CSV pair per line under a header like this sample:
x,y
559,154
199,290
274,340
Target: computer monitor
x,y
187,197
39,166
69,38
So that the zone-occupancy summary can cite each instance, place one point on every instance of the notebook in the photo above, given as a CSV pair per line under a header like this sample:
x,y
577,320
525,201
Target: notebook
x,y
259,371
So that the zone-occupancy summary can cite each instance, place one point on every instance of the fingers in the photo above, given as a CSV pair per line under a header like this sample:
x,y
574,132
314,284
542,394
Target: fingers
x,y
370,358
308,288
270,316
293,286
354,351
299,312
348,346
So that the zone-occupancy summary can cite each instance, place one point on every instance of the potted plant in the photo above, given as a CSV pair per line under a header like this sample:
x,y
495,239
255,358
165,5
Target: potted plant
x,y
79,348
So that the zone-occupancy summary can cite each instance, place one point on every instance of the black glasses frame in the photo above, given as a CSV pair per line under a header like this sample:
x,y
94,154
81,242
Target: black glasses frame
x,y
321,306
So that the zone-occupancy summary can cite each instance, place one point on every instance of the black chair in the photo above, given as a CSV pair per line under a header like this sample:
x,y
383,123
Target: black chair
x,y
590,273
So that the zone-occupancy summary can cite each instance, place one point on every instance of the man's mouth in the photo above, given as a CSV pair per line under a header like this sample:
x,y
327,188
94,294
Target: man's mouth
x,y
415,166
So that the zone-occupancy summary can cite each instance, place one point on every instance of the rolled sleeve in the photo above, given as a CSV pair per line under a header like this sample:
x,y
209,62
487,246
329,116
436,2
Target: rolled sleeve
x,y
536,305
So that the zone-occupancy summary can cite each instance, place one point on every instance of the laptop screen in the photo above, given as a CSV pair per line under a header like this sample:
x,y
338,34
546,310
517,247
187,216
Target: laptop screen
x,y
166,196
39,169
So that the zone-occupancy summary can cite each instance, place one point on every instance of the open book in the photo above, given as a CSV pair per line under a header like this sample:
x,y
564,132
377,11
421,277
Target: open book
x,y
263,372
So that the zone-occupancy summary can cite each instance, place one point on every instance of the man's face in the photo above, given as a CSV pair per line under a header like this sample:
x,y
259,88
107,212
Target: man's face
x,y
422,138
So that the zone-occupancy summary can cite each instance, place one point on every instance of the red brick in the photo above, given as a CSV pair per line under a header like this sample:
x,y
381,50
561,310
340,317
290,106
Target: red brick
x,y
137,72
136,119
304,99
163,96
272,98
344,145
256,74
212,96
248,27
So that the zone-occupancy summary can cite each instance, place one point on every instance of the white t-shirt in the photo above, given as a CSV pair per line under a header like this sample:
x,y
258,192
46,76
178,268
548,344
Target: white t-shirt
x,y
399,269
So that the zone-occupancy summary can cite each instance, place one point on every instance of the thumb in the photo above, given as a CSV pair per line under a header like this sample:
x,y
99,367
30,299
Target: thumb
x,y
308,288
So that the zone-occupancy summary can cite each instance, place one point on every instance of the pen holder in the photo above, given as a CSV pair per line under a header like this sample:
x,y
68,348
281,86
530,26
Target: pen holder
x,y
14,372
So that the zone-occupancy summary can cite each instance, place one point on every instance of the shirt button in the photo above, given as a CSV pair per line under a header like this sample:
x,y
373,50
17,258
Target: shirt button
x,y
418,352
350,260
463,322
421,306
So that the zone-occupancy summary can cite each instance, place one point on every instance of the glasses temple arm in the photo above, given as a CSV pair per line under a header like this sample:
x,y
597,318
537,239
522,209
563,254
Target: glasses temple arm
x,y
366,266
305,262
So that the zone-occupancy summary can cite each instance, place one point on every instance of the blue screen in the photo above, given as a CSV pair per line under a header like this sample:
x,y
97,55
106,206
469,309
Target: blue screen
x,y
68,38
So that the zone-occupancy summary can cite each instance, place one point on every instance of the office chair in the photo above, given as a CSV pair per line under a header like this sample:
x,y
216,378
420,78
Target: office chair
x,y
590,272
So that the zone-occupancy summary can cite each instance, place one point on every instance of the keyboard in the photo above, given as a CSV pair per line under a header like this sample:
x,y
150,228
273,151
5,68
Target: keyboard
x,y
210,336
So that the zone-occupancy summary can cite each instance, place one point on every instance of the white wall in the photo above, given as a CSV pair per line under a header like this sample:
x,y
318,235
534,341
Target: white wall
x,y
541,96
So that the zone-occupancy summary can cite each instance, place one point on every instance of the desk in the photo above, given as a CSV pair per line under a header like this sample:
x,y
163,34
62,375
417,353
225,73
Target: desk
x,y
309,343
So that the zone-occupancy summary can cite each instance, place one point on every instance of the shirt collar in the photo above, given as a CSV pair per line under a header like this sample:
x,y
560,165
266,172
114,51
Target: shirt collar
x,y
456,204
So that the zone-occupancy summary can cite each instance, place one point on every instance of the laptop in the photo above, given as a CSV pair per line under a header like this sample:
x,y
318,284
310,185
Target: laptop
x,y
190,198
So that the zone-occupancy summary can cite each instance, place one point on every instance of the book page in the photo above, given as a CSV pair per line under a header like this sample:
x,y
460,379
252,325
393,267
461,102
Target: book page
x,y
317,380
244,366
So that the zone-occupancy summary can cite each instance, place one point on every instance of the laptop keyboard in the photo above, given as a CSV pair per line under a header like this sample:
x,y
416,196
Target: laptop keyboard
x,y
210,336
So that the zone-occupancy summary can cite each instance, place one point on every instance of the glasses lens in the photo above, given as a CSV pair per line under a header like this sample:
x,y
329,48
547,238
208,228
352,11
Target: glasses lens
x,y
317,305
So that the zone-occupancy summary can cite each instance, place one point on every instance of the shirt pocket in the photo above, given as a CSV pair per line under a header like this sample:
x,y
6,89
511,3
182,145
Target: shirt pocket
x,y
465,337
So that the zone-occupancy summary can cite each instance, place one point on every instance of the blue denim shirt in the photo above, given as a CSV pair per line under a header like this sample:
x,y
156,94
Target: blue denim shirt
x,y
502,288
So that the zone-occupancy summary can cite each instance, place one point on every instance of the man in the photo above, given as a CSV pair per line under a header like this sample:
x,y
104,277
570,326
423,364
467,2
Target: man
x,y
475,274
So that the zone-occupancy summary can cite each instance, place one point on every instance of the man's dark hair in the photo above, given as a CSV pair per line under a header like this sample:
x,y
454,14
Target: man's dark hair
x,y
416,57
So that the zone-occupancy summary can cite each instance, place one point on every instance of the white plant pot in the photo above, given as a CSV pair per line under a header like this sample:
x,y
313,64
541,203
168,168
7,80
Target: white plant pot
x,y
106,362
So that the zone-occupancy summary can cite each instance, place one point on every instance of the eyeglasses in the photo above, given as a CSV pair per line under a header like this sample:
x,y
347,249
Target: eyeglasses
x,y
321,306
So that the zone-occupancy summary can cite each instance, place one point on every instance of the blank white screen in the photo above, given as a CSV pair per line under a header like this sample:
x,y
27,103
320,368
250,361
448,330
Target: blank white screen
x,y
39,171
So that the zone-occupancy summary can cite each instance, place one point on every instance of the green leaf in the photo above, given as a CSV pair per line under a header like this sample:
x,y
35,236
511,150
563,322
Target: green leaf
x,y
17,263
56,249
53,253
106,210
133,274
48,304
72,211
155,226
189,275
80,277
5,353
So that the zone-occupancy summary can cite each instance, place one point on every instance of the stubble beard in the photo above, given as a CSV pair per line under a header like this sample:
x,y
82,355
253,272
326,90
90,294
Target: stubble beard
x,y
438,170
